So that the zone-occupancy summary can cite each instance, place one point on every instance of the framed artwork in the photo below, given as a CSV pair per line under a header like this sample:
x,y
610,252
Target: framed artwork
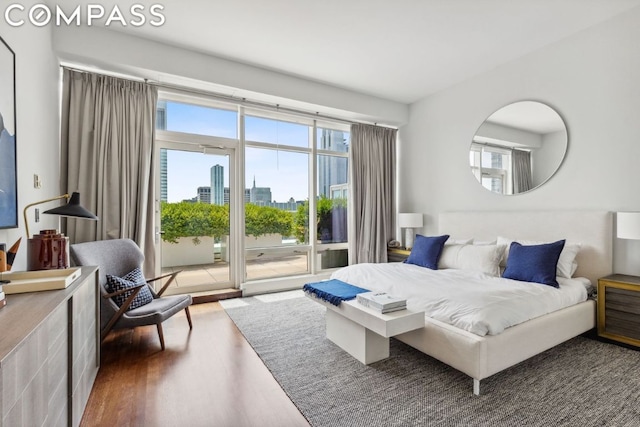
x,y
8,165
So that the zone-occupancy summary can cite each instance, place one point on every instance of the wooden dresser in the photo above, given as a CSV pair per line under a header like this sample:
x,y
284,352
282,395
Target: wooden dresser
x,y
49,353
619,308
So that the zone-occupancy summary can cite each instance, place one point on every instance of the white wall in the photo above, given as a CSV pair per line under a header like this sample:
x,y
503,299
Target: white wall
x,y
549,156
591,79
38,118
118,52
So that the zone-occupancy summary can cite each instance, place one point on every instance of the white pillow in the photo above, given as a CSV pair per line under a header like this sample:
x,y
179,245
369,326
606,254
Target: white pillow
x,y
484,242
480,258
451,241
567,264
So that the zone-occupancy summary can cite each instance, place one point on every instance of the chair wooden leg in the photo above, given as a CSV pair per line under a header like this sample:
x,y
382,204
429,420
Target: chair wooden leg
x,y
186,310
161,335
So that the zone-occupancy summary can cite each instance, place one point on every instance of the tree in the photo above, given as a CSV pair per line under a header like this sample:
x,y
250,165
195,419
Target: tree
x,y
331,220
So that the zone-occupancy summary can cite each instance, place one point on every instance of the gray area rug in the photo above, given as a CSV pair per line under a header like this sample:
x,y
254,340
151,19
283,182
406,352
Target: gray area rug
x,y
582,382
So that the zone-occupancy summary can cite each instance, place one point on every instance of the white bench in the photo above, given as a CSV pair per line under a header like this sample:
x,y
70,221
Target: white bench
x,y
363,332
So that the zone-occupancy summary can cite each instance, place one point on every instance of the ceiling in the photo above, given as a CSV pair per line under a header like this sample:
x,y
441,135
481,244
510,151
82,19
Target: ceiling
x,y
530,116
400,50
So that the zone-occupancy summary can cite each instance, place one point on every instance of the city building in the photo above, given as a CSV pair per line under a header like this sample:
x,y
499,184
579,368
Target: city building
x,y
260,196
204,195
247,195
217,185
331,170
161,124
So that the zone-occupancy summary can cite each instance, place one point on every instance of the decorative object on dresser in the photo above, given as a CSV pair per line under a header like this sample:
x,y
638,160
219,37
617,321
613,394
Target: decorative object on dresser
x,y
10,256
619,308
41,280
50,249
409,221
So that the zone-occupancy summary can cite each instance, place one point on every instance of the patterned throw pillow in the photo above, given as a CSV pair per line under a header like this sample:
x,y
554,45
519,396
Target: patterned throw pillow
x,y
130,280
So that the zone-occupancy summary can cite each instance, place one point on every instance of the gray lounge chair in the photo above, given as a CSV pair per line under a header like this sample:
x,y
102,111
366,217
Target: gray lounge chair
x,y
118,257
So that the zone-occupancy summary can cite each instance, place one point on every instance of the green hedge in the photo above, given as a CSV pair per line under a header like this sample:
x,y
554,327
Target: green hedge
x,y
186,219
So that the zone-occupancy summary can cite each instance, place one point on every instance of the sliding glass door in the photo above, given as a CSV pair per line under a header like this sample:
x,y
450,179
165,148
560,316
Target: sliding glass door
x,y
196,202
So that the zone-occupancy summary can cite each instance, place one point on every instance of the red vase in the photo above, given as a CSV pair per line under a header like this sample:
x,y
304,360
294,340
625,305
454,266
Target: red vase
x,y
47,251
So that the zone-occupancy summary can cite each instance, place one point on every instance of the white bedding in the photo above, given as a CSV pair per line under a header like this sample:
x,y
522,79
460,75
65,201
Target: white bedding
x,y
476,302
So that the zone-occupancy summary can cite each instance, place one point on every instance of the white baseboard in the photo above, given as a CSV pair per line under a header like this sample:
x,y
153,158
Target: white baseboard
x,y
280,284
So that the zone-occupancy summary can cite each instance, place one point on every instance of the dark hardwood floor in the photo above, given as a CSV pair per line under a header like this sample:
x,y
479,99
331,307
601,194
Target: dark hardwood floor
x,y
209,376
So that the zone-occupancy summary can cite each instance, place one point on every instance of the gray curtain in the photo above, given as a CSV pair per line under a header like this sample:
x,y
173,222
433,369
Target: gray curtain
x,y
522,178
107,136
372,164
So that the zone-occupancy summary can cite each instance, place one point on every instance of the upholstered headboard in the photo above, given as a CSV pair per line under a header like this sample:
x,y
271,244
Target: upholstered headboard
x,y
593,229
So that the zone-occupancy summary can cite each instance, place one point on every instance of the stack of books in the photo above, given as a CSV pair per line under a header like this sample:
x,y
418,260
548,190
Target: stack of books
x,y
381,301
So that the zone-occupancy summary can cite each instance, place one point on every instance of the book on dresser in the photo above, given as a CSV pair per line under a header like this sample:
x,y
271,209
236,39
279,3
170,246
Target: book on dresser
x,y
381,301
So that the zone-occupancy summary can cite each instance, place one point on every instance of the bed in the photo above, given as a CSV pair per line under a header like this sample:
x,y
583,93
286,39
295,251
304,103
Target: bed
x,y
481,356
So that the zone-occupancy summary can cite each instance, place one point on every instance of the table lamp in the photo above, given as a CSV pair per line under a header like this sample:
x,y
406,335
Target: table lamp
x,y
628,225
409,221
50,249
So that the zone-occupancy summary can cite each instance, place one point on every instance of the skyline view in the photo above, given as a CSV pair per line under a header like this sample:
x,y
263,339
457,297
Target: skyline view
x,y
284,172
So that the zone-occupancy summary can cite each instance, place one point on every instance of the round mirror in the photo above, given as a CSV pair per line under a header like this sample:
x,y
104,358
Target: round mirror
x,y
518,148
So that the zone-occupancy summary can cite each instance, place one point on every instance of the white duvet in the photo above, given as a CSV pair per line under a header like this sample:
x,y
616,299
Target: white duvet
x,y
476,302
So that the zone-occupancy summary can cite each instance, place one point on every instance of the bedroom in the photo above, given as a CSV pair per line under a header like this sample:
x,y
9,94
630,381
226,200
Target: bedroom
x,y
590,77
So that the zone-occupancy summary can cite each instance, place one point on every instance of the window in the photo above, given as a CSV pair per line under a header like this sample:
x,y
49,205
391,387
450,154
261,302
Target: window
x,y
277,132
278,185
492,166
295,173
332,196
196,119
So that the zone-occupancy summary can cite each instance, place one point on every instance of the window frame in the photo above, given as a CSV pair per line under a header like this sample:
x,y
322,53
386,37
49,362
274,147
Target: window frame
x,y
503,174
314,248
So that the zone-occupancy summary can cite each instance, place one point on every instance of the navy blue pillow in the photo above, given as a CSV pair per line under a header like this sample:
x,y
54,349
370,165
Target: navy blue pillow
x,y
426,251
534,263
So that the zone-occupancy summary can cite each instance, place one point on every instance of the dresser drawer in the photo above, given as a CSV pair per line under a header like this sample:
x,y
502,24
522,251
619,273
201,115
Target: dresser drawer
x,y
619,308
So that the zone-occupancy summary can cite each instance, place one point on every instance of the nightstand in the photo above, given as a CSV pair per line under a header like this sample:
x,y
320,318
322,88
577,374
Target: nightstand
x,y
619,308
397,254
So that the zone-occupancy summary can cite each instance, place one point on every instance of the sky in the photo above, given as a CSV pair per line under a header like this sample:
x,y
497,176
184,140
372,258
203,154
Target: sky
x,y
286,173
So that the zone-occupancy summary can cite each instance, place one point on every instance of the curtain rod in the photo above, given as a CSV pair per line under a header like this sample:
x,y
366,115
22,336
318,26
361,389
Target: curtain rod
x,y
230,98
504,147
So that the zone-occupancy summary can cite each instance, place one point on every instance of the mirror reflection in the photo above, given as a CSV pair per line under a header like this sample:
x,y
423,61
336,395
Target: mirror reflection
x,y
518,148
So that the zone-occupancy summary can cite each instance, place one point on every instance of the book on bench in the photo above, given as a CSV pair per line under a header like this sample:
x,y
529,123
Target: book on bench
x,y
381,301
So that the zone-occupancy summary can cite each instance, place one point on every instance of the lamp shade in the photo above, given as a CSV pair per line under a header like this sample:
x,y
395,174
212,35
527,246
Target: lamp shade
x,y
72,209
628,225
410,220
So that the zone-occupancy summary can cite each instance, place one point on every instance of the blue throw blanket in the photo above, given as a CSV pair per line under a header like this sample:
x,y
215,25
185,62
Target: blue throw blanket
x,y
333,291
